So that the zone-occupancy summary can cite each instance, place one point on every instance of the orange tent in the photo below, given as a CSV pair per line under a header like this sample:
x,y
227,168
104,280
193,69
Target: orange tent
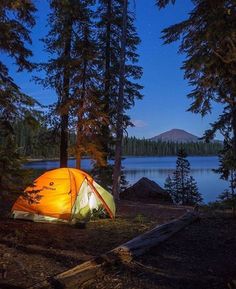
x,y
65,195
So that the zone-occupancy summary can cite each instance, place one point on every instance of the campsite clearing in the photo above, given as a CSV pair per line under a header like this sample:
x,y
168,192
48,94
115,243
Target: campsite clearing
x,y
202,256
34,251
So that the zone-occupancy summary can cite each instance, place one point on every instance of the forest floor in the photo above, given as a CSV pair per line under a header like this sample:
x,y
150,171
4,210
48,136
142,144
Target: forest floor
x,y
201,256
34,251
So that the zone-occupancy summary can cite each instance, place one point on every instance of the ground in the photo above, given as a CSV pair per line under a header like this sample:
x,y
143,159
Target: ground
x,y
33,251
201,256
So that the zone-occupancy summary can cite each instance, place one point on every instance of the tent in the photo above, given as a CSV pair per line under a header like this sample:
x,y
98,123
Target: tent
x,y
63,195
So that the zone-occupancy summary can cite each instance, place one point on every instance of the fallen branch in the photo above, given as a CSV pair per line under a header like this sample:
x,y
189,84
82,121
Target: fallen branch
x,y
139,245
88,271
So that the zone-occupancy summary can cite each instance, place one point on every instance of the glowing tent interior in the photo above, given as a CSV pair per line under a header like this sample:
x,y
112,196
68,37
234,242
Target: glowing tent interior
x,y
63,195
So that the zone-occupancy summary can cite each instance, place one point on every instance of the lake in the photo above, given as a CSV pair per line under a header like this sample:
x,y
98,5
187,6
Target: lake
x,y
157,169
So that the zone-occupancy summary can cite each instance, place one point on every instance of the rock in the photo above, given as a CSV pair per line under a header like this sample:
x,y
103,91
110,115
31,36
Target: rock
x,y
146,191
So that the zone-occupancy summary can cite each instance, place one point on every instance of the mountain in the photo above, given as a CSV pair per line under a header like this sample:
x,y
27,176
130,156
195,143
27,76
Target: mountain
x,y
176,135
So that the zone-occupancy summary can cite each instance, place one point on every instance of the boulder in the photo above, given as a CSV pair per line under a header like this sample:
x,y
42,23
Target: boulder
x,y
146,191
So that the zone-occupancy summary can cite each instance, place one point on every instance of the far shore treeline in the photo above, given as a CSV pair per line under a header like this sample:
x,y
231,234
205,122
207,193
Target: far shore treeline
x,y
145,147
33,143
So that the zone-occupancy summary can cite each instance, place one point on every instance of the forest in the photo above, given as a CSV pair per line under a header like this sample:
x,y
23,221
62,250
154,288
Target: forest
x,y
92,65
93,79
144,147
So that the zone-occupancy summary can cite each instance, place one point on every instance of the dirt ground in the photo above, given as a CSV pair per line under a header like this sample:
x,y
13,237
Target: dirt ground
x,y
34,251
202,256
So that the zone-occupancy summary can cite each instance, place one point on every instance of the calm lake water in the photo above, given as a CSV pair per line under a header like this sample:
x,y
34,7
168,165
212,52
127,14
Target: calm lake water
x,y
157,169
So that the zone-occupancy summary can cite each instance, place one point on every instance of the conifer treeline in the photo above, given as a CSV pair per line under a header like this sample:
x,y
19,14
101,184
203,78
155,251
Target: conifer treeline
x,y
34,143
144,147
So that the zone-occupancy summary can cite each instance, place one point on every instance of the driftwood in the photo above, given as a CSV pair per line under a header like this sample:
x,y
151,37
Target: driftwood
x,y
90,270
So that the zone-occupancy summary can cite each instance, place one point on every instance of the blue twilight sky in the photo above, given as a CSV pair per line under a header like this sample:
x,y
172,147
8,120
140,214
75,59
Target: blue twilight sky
x,y
165,103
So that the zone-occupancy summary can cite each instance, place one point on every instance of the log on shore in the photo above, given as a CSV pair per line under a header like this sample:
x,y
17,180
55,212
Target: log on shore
x,y
90,270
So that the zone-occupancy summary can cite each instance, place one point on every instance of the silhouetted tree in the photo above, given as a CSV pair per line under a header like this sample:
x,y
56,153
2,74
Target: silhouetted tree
x,y
182,187
16,17
58,43
227,169
87,105
74,72
110,27
209,41
120,106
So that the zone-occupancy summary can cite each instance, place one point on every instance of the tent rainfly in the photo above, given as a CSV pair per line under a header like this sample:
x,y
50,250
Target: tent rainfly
x,y
63,195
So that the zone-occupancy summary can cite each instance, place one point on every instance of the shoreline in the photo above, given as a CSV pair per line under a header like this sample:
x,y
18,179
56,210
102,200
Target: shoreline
x,y
29,160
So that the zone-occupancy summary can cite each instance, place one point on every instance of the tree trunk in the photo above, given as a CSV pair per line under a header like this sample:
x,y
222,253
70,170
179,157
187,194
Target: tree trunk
x,y
233,170
79,136
78,153
105,128
80,133
120,108
64,111
234,126
64,141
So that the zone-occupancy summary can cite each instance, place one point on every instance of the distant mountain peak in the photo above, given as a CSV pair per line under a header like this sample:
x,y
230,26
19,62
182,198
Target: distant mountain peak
x,y
176,135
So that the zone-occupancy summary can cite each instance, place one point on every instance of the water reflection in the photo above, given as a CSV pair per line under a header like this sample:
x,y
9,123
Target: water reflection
x,y
208,182
165,172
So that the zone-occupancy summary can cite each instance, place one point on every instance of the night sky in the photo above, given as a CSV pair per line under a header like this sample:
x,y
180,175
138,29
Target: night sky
x,y
165,103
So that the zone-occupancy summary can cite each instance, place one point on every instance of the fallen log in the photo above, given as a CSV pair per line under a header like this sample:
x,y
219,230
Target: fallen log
x,y
144,242
90,270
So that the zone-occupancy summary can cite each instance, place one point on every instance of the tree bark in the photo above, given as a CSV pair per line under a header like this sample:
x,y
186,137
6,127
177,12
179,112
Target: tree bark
x,y
64,110
80,133
78,154
107,79
120,108
233,172
64,141
234,126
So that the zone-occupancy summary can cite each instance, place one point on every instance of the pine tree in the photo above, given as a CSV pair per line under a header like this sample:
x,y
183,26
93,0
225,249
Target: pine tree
x,y
227,157
193,196
169,186
120,106
87,103
15,21
209,41
110,33
182,187
16,18
227,169
181,175
58,44
128,90
73,72
107,56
